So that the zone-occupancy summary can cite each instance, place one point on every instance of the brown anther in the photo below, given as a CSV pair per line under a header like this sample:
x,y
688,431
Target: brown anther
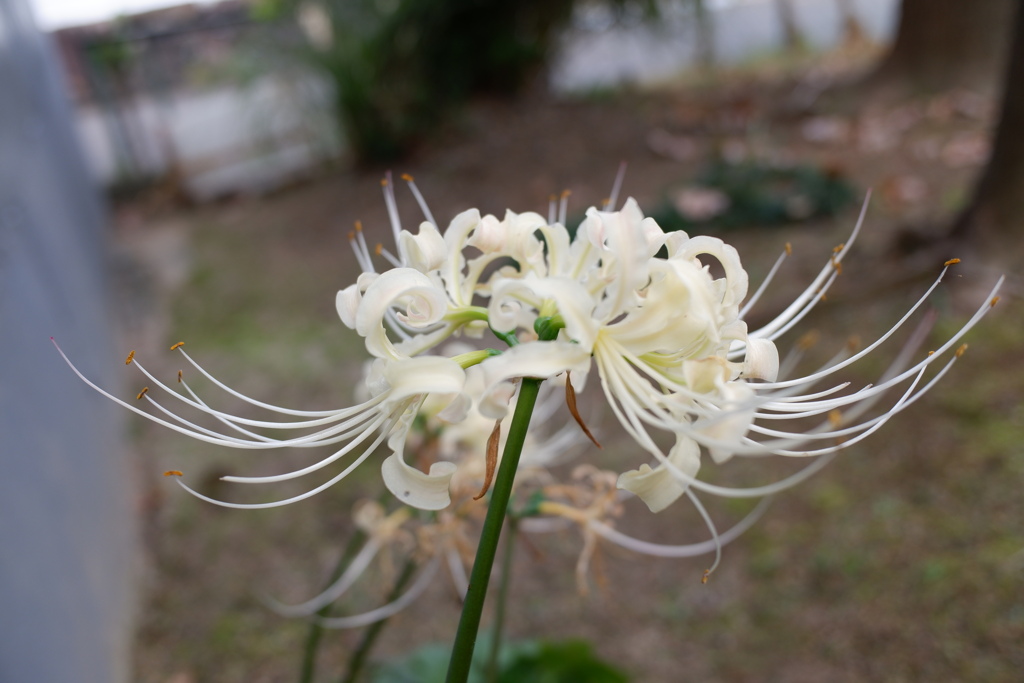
x,y
951,262
994,301
931,353
492,459
838,248
808,340
570,401
177,346
789,249
406,177
853,343
379,249
706,576
383,182
605,202
174,473
179,376
566,193
960,351
835,418
351,235
142,393
552,197
823,297
130,358
838,265
359,226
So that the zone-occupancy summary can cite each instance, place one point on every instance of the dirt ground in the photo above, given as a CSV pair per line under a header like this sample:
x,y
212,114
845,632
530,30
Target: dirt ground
x,y
902,561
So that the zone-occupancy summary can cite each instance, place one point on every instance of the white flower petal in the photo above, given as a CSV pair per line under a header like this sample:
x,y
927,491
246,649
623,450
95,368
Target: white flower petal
x,y
424,301
575,304
424,252
537,359
414,488
658,487
736,277
347,302
762,360
423,375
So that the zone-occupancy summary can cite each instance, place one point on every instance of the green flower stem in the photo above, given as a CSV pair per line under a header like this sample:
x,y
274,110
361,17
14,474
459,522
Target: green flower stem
x,y
499,611
501,492
358,661
315,629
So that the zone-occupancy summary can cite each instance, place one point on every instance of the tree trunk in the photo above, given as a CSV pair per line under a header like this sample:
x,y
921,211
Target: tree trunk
x,y
946,43
997,206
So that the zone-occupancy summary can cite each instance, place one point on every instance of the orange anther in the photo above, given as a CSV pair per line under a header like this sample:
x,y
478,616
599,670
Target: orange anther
x,y
130,358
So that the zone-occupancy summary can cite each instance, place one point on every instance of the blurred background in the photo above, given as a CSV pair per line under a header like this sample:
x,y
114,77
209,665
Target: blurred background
x,y
190,172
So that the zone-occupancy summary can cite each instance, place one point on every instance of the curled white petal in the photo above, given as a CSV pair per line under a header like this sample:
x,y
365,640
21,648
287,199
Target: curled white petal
x,y
424,252
762,361
425,303
347,302
423,375
659,487
414,488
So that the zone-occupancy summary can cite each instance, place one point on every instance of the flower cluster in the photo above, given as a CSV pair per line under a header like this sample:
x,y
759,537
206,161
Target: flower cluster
x,y
659,317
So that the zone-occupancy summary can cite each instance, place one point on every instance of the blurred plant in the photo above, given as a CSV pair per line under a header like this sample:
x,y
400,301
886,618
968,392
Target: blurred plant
x,y
570,661
398,67
729,195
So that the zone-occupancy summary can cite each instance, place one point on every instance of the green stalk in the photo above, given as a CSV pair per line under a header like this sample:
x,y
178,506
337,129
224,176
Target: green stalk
x,y
501,492
358,661
499,611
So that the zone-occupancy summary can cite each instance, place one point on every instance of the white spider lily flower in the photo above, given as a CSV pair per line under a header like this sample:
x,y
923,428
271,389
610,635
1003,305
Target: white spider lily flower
x,y
666,335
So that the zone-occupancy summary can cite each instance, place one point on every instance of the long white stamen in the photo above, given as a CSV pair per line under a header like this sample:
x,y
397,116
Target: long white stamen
x,y
355,569
613,198
419,198
678,551
389,200
302,496
252,401
392,608
711,528
812,294
764,284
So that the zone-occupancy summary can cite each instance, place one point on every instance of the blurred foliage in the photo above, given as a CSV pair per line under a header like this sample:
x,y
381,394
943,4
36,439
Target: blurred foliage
x,y
570,661
398,67
753,193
